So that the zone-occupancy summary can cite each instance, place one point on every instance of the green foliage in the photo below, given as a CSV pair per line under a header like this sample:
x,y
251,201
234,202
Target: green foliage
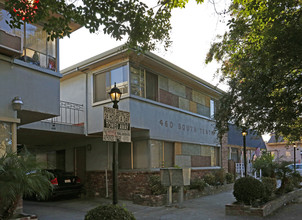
x,y
283,172
210,179
248,190
198,184
296,179
155,185
262,64
20,175
109,212
144,26
270,185
266,164
219,176
229,177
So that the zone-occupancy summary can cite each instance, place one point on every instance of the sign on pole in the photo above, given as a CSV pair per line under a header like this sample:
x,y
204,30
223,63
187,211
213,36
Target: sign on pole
x,y
116,125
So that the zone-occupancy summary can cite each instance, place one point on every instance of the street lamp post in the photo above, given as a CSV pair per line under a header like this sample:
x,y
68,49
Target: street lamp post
x,y
244,133
295,156
115,95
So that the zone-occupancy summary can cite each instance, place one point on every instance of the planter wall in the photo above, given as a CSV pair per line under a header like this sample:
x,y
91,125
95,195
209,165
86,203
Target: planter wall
x,y
161,200
266,209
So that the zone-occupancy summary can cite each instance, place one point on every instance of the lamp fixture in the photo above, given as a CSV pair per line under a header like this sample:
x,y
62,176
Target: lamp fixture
x,y
17,103
115,96
244,133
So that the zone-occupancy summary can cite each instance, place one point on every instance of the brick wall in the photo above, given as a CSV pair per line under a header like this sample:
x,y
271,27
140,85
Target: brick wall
x,y
129,183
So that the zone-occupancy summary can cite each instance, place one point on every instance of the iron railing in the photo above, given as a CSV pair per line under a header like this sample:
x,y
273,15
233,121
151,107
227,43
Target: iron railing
x,y
70,114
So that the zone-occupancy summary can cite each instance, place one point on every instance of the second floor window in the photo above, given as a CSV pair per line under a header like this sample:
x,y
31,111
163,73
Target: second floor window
x,y
37,50
144,83
104,81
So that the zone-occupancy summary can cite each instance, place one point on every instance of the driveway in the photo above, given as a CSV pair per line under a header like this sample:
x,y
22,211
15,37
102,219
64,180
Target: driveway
x,y
208,207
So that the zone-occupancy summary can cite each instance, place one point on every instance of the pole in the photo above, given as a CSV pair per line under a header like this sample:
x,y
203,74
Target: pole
x,y
115,174
294,158
244,152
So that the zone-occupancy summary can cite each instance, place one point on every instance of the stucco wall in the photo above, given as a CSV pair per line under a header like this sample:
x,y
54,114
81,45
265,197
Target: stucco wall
x,y
39,90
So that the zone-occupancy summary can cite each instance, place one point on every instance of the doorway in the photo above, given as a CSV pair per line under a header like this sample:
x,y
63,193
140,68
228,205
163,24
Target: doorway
x,y
80,163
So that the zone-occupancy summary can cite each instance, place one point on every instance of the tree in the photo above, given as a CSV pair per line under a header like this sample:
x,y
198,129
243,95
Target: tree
x,y
20,175
261,61
144,26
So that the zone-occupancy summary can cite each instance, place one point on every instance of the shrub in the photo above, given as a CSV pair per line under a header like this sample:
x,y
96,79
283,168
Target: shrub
x,y
266,164
270,185
296,179
198,184
248,190
283,173
209,178
229,178
219,176
109,212
155,185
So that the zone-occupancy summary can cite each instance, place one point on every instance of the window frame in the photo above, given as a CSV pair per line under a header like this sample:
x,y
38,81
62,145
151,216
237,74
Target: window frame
x,y
105,71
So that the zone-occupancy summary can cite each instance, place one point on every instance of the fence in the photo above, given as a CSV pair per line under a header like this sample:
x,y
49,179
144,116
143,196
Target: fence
x,y
70,114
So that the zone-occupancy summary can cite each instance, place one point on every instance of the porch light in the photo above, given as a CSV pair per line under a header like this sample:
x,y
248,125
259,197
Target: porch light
x,y
115,96
17,103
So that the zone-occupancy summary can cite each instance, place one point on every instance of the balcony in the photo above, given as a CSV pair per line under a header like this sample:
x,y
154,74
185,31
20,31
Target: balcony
x,y
68,126
70,114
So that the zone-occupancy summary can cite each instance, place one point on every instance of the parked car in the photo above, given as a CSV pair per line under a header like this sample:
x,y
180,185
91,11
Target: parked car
x,y
64,184
298,167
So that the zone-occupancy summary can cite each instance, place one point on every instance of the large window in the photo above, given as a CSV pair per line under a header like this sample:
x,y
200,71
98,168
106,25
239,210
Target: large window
x,y
104,81
144,83
37,49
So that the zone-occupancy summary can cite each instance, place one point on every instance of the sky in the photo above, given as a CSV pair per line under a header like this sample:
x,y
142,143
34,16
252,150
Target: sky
x,y
193,30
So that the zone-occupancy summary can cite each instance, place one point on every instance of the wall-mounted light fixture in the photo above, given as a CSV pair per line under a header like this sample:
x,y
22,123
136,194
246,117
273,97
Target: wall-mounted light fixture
x,y
17,103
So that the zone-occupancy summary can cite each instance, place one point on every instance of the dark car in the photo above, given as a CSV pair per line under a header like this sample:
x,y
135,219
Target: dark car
x,y
64,185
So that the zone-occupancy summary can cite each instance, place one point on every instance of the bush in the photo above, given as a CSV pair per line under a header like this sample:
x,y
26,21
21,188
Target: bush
x,y
198,184
109,212
229,178
296,179
209,178
266,164
155,186
248,190
284,173
219,176
270,185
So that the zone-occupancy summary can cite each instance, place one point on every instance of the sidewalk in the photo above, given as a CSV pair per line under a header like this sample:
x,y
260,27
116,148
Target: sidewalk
x,y
205,208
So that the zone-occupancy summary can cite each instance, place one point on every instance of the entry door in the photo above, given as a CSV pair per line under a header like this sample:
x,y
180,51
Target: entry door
x,y
80,163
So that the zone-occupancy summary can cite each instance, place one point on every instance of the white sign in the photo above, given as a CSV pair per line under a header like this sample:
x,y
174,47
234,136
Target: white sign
x,y
116,125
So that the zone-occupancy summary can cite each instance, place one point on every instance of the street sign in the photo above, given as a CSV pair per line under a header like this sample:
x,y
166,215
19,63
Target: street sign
x,y
116,125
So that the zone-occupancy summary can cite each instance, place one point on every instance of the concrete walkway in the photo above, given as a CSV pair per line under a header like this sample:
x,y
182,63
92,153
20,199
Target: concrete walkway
x,y
208,207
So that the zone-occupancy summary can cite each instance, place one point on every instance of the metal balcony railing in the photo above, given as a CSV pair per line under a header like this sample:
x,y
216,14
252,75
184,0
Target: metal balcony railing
x,y
70,114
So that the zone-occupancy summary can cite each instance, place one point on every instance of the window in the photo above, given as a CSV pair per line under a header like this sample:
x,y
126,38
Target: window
x,y
144,84
36,49
103,82
162,154
212,108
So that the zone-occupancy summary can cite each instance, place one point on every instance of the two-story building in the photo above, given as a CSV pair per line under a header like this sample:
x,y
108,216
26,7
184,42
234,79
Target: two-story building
x,y
171,113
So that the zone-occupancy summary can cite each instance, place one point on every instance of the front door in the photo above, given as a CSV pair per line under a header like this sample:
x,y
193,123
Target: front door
x,y
80,163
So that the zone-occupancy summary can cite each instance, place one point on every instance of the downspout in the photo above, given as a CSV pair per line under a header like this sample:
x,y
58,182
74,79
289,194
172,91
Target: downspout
x,y
86,108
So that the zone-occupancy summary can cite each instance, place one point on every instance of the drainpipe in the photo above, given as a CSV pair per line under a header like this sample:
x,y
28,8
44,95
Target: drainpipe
x,y
86,108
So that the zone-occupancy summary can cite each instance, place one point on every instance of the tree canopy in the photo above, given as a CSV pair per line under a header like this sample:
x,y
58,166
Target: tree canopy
x,y
143,26
261,61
